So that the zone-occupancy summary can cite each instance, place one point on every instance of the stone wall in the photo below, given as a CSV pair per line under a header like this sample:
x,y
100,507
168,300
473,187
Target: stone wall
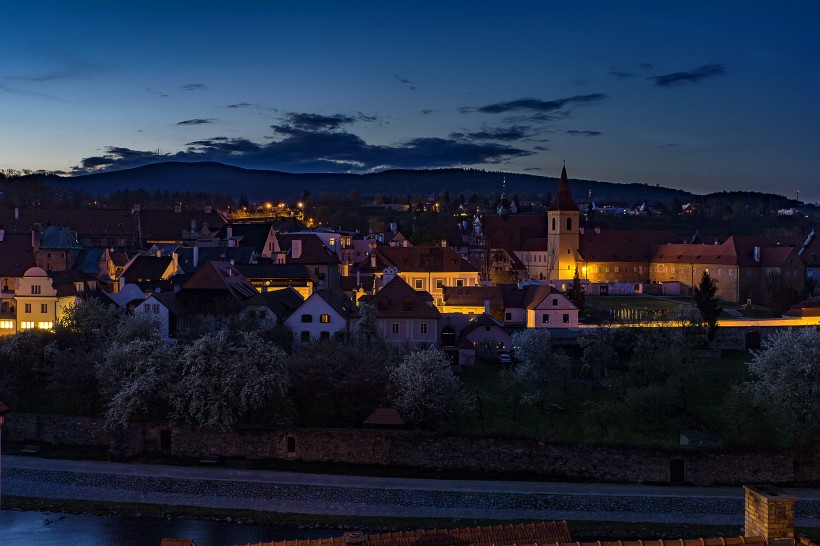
x,y
564,462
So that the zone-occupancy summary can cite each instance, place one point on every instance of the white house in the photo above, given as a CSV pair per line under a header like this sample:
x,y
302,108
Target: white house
x,y
323,315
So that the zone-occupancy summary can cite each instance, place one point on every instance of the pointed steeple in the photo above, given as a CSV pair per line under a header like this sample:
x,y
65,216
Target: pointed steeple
x,y
563,198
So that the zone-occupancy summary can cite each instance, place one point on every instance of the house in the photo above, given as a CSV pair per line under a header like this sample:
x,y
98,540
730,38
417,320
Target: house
x,y
16,257
209,301
403,314
537,306
283,302
325,314
259,236
469,336
686,263
56,248
310,251
190,259
41,298
267,277
425,268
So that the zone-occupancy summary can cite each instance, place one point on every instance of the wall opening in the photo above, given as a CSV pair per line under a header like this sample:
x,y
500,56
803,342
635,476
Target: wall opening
x,y
677,471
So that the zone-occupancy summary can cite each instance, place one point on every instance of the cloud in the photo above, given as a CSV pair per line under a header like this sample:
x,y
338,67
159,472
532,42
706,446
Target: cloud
x,y
300,150
646,66
573,132
155,92
425,112
515,132
621,74
406,82
194,87
534,105
25,92
197,121
240,105
692,76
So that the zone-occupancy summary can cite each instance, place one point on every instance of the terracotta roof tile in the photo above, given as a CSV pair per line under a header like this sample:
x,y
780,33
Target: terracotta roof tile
x,y
15,254
622,245
398,300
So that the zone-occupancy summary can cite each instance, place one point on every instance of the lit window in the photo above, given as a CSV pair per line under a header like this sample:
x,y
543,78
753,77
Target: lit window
x,y
45,325
423,327
324,319
26,325
419,284
617,269
332,241
6,324
395,328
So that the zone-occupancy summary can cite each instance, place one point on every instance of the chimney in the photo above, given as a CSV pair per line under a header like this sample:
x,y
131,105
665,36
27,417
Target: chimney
x,y
389,275
16,213
296,249
768,513
208,209
597,230
757,254
486,307
443,243
159,252
581,230
394,227
229,229
373,260
196,256
35,240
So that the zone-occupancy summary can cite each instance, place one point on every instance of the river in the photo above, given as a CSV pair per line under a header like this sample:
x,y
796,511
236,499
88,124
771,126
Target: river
x,y
18,528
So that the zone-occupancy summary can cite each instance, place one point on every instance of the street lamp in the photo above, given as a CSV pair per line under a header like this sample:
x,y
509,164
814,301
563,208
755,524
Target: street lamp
x,y
4,409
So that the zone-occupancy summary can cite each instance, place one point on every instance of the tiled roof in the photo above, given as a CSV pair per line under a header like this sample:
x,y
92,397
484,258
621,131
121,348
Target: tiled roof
x,y
146,268
222,276
398,300
695,254
338,301
535,244
88,221
167,225
472,295
283,302
496,535
512,231
622,245
58,237
563,197
89,260
185,256
525,297
480,322
275,271
417,258
314,250
252,235
385,417
15,254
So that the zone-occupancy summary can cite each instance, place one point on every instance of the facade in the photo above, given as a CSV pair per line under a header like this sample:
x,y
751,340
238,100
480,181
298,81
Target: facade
x,y
404,315
323,315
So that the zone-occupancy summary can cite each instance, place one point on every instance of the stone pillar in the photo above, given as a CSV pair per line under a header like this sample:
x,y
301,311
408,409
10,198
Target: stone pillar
x,y
768,513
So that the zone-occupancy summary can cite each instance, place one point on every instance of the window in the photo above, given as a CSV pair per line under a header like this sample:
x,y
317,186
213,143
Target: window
x,y
44,308
439,283
555,302
304,337
307,318
290,444
332,241
26,325
486,328
607,269
720,271
324,318
459,282
45,325
395,328
617,269
731,272
156,308
423,328
324,335
545,319
48,254
569,224
9,324
553,224
27,308
419,284
566,318
507,316
35,288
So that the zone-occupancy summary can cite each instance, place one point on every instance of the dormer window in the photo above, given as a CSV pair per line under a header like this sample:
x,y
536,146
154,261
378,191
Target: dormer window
x,y
35,288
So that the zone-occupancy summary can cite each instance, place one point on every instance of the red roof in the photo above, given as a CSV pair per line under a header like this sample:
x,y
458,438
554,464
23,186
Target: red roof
x,y
621,245
385,417
398,300
513,231
417,258
16,255
563,198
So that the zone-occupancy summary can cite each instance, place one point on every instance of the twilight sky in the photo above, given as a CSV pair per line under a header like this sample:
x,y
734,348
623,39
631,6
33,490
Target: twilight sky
x,y
703,96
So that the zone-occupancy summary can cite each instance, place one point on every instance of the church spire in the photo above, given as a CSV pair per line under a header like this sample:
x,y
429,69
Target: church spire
x,y
563,198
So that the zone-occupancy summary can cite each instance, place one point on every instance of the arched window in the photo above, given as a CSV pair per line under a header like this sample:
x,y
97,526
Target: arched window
x,y
448,336
569,224
553,224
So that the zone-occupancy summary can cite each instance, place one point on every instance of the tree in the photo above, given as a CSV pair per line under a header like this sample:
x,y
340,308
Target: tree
x,y
786,380
707,303
541,369
222,381
575,294
424,388
781,295
365,335
86,321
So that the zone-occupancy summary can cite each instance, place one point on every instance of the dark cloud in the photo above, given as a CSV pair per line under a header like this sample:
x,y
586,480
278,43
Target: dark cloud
x,y
319,122
406,82
506,134
240,105
197,121
533,169
535,105
425,112
621,74
540,148
194,87
692,76
573,132
155,92
300,150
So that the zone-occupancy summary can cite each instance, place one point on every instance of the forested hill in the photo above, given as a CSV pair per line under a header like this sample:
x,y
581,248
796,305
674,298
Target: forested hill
x,y
260,184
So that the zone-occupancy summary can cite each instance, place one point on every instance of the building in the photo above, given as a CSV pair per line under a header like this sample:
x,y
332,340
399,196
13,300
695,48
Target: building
x,y
325,314
403,314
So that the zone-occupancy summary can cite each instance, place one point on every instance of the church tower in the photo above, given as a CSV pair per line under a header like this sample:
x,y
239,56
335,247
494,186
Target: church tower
x,y
563,219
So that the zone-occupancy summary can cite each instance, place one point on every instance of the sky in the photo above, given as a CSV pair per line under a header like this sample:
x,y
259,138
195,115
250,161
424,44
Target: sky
x,y
702,96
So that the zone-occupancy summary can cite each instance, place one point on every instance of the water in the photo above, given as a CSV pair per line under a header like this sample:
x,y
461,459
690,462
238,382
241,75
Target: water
x,y
45,528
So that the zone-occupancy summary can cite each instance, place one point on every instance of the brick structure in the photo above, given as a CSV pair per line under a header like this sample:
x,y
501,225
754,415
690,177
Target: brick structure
x,y
768,513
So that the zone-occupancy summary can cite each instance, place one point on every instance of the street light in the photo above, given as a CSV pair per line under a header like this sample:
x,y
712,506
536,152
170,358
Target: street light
x,y
4,409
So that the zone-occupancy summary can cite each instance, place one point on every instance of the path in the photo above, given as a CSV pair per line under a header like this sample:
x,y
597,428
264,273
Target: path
x,y
291,492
